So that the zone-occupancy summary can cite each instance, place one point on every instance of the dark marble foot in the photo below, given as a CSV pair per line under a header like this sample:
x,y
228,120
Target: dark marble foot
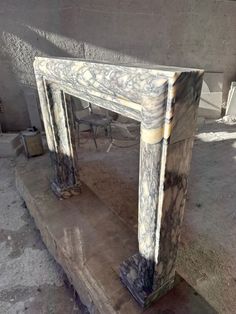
x,y
66,192
137,275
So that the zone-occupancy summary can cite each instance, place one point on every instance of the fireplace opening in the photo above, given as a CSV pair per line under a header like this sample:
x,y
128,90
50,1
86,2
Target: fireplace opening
x,y
111,166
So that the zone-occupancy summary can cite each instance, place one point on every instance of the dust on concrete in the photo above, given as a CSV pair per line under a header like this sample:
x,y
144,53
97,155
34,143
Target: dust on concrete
x,y
30,280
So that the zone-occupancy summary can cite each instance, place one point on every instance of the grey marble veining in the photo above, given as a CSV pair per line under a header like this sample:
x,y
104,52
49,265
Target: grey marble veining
x,y
165,101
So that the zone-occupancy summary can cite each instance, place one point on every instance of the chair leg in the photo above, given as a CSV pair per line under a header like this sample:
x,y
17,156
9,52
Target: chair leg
x,y
111,139
77,130
106,130
110,132
94,135
95,132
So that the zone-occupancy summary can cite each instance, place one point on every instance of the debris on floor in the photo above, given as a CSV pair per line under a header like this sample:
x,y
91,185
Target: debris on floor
x,y
30,280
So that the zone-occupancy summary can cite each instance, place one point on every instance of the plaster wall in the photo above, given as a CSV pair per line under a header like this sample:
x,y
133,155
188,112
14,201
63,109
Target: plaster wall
x,y
196,33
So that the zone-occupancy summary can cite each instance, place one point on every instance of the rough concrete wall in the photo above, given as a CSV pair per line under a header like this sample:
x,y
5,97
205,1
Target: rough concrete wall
x,y
196,33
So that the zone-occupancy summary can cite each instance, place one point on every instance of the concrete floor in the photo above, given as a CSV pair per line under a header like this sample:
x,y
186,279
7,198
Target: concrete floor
x,y
31,282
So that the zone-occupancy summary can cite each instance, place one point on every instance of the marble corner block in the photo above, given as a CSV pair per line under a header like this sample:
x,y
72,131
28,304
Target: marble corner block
x,y
30,95
231,101
210,104
10,145
165,101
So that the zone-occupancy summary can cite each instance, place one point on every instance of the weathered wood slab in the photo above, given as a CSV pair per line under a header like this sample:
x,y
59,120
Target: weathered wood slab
x,y
89,241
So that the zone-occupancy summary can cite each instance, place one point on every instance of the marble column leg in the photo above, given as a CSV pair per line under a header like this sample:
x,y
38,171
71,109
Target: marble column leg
x,y
62,139
165,153
138,272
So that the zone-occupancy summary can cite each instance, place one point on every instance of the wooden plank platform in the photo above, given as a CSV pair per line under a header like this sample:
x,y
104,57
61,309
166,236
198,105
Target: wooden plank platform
x,y
89,241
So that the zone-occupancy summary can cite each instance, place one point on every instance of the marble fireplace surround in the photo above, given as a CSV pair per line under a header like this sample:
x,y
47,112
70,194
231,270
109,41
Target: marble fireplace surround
x,y
165,101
